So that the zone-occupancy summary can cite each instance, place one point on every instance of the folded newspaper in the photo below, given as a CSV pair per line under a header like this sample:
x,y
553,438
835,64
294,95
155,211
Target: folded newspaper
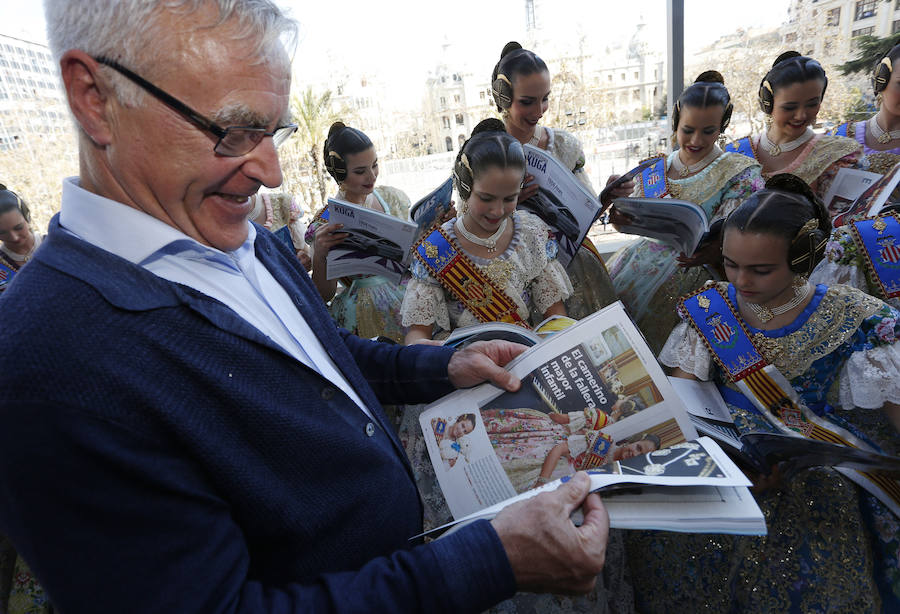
x,y
592,397
561,201
677,223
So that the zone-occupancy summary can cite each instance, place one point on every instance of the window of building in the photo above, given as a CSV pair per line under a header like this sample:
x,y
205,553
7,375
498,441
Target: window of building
x,y
455,97
449,142
636,75
461,139
459,119
790,37
895,27
864,8
833,17
443,102
862,31
623,76
636,94
610,75
446,121
481,94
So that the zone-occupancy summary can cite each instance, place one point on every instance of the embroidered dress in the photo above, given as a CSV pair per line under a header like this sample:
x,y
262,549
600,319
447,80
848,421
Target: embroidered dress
x,y
845,264
831,546
646,275
369,305
875,161
819,161
527,271
592,287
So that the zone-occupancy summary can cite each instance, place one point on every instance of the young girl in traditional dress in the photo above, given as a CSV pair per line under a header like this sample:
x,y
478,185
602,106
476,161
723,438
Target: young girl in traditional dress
x,y
369,305
791,95
834,360
513,252
646,275
520,84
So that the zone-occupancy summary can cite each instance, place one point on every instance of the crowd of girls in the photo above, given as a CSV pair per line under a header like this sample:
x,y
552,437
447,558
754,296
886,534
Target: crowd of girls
x,y
831,342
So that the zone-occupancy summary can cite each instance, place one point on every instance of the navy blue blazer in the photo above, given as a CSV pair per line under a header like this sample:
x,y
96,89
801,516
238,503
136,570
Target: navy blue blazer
x,y
158,453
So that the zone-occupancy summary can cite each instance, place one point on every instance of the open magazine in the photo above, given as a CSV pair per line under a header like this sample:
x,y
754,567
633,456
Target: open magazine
x,y
761,451
848,185
377,243
690,487
677,223
629,176
561,201
591,395
870,200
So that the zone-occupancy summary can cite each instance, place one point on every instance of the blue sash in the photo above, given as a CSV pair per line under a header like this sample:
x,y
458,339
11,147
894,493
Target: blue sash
x,y
742,146
840,130
653,179
877,237
6,275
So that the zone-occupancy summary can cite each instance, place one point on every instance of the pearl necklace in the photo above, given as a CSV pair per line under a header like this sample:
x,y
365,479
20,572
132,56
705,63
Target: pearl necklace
x,y
764,314
880,134
776,149
686,169
490,243
536,137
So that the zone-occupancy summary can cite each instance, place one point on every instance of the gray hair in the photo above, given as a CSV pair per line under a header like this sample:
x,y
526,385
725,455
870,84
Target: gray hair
x,y
130,32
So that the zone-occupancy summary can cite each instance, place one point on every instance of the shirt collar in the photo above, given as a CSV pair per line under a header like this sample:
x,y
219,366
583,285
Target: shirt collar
x,y
127,232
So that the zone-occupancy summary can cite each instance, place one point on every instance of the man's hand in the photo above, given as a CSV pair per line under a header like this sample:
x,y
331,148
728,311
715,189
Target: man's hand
x,y
483,361
546,551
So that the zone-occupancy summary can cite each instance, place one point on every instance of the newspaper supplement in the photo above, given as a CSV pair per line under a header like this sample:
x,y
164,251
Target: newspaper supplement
x,y
376,243
561,201
591,394
690,487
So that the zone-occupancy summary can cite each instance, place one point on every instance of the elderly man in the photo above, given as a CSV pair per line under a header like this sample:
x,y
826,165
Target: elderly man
x,y
182,428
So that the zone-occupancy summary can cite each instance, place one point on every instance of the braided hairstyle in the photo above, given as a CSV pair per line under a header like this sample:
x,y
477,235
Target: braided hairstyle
x,y
708,90
342,140
490,145
787,208
789,68
883,70
514,62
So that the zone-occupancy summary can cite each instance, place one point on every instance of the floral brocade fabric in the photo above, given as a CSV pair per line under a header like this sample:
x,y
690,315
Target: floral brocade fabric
x,y
831,547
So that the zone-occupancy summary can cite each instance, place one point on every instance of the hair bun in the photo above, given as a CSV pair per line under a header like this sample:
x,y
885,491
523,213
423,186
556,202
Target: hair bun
x,y
335,127
787,55
509,48
491,124
786,182
710,76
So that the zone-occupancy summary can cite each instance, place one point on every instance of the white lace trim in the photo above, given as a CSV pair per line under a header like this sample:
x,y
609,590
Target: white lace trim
x,y
684,349
869,378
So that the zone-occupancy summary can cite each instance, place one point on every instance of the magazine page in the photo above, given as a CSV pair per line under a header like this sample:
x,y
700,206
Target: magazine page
x,y
677,223
848,185
691,486
872,200
378,244
427,213
591,394
701,399
561,201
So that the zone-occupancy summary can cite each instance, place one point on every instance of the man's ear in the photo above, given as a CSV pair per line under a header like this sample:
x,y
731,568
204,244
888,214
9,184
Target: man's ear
x,y
89,95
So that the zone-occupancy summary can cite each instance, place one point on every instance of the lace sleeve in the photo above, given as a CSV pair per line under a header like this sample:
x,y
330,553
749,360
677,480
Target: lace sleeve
x,y
684,349
870,378
551,286
423,301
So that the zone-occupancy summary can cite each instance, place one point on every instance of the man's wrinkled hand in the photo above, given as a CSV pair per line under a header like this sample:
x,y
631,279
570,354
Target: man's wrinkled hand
x,y
483,361
547,552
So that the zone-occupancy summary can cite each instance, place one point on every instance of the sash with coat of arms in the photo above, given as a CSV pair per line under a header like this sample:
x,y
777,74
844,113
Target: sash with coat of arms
x,y
725,335
457,273
876,239
742,146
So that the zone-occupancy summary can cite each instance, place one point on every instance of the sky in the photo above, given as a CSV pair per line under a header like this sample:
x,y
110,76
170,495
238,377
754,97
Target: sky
x,y
399,41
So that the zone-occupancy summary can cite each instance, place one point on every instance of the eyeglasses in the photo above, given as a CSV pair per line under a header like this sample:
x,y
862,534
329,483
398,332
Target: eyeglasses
x,y
233,141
